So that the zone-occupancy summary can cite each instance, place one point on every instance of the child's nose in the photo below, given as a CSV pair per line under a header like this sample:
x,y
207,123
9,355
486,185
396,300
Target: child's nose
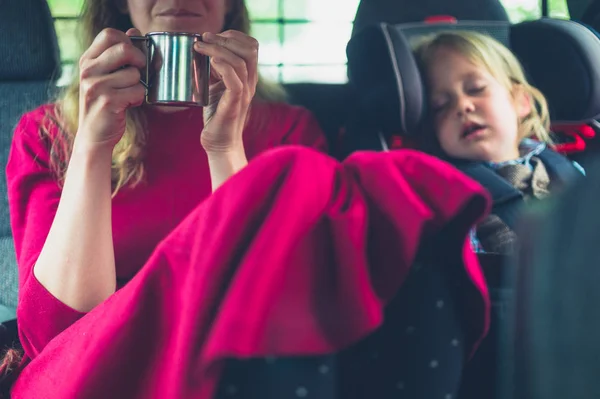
x,y
464,105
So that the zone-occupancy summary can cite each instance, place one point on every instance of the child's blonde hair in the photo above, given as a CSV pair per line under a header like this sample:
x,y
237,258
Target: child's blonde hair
x,y
487,52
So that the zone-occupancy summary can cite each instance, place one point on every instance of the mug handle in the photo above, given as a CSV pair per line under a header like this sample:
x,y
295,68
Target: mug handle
x,y
148,43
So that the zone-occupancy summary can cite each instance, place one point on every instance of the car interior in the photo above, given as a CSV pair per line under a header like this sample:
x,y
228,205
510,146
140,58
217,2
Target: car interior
x,y
379,107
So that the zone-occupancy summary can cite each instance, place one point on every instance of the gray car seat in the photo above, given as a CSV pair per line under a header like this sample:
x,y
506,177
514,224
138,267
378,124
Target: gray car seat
x,y
29,66
560,59
374,12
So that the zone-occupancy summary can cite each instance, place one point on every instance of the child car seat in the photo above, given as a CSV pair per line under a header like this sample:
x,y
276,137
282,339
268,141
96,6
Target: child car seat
x,y
391,94
559,57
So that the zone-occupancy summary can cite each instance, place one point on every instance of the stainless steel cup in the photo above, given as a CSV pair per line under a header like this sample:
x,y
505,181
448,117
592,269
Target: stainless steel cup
x,y
175,73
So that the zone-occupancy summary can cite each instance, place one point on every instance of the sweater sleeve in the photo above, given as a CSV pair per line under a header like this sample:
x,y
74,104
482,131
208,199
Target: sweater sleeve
x,y
33,195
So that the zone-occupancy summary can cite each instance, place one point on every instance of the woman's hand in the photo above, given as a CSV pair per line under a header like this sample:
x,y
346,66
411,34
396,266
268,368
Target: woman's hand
x,y
77,262
109,85
234,75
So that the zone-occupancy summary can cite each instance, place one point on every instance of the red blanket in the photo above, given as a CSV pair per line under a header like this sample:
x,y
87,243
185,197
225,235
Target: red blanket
x,y
295,255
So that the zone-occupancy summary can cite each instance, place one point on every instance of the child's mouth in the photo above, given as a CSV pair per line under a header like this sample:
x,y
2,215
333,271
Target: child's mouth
x,y
472,129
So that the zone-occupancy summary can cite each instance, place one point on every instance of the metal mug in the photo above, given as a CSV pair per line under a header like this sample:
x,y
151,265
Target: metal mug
x,y
175,73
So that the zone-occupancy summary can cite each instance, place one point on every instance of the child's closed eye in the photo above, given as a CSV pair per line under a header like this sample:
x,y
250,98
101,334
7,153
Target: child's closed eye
x,y
438,107
474,90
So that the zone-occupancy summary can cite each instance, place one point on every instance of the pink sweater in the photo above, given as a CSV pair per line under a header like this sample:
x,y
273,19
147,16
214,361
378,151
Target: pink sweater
x,y
177,180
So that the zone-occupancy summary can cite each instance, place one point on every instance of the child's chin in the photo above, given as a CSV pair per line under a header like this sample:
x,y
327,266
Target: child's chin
x,y
478,155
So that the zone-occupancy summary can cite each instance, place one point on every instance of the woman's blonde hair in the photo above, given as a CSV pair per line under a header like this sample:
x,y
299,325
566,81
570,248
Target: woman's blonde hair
x,y
127,159
487,52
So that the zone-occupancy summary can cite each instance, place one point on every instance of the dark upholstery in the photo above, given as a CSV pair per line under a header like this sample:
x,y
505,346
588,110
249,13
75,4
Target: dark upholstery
x,y
591,16
27,41
580,10
30,62
552,348
403,11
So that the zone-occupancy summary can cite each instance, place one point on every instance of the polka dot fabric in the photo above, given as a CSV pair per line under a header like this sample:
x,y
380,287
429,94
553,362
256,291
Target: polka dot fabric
x,y
417,354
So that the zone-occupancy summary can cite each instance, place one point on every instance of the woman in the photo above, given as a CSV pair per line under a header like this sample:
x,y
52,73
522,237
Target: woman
x,y
98,155
141,166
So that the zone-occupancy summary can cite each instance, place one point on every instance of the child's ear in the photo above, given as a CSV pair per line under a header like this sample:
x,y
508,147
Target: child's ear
x,y
523,101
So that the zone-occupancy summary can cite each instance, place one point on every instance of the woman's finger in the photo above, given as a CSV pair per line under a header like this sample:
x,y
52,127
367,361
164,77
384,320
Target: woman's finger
x,y
234,87
116,57
224,55
241,45
242,37
124,78
131,96
133,32
251,57
116,91
103,41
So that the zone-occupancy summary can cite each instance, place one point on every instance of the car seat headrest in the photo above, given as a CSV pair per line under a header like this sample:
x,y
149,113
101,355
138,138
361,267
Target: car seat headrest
x,y
28,49
559,57
402,11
